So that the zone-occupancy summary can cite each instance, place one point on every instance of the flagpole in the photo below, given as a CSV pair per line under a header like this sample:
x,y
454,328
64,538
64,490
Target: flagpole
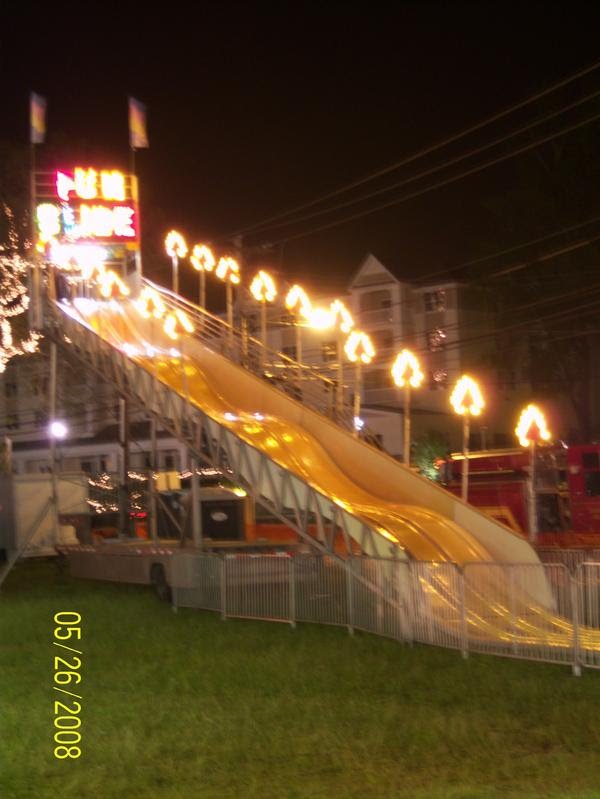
x,y
135,196
35,315
137,138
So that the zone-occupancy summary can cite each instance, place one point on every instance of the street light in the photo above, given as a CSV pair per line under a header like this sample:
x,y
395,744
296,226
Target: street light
x,y
467,401
344,323
228,270
175,320
407,374
176,248
339,317
263,290
298,302
57,430
530,429
359,349
111,284
203,261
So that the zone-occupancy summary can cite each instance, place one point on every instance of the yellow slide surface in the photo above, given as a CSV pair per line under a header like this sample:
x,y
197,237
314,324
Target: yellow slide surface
x,y
361,479
410,512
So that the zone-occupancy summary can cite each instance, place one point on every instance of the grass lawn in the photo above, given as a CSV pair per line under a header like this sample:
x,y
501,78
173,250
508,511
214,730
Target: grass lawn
x,y
185,706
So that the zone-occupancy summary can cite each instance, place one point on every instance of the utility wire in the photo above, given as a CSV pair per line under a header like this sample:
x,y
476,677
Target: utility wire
x,y
437,168
427,150
541,258
439,184
508,250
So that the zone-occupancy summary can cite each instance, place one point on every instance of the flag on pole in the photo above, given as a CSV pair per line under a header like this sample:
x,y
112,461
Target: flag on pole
x,y
137,124
37,118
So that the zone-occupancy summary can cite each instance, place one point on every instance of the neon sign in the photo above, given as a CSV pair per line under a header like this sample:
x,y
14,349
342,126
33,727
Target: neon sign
x,y
87,205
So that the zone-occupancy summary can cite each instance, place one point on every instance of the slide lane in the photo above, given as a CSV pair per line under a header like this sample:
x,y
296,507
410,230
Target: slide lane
x,y
424,534
240,401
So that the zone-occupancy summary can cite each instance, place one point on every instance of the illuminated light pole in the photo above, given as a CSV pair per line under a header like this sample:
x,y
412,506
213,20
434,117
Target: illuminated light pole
x,y
263,290
176,248
174,320
111,284
467,401
150,304
530,429
203,261
344,323
407,374
322,319
359,349
298,302
228,270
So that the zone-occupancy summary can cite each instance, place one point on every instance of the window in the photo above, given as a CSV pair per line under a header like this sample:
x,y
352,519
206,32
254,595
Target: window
x,y
438,378
170,461
592,484
382,339
87,467
435,300
41,418
329,351
378,378
436,339
12,421
591,473
375,300
290,352
591,460
39,385
10,389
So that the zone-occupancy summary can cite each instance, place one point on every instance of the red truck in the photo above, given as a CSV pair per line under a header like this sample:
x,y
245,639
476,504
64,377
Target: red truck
x,y
567,490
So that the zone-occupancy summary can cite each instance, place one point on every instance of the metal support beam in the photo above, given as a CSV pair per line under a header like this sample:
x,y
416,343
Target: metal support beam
x,y
152,471
124,468
52,418
211,442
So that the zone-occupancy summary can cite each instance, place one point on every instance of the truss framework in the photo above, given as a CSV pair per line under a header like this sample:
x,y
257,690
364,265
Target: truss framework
x,y
288,497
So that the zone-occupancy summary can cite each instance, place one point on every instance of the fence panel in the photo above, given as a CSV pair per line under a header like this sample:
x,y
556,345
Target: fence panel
x,y
436,603
258,587
587,581
520,610
530,611
380,596
196,581
321,590
571,558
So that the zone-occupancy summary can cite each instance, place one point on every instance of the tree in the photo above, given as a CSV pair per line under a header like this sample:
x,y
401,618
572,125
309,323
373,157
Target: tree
x,y
542,336
427,450
15,339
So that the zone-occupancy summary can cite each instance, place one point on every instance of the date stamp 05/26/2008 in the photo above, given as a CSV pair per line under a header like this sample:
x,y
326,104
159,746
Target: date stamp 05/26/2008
x,y
67,675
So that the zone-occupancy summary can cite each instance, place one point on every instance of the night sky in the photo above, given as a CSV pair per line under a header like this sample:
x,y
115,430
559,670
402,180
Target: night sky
x,y
256,108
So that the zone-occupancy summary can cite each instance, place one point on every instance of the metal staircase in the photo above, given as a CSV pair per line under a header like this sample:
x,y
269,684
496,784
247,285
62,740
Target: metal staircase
x,y
287,496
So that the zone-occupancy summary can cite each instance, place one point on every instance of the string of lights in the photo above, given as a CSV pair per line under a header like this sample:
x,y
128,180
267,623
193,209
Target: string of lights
x,y
14,299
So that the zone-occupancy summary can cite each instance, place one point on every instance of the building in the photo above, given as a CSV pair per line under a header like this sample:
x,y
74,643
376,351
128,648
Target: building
x,y
447,324
90,409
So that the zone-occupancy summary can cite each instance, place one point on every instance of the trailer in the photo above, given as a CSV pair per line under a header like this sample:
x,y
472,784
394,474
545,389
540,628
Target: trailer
x,y
28,524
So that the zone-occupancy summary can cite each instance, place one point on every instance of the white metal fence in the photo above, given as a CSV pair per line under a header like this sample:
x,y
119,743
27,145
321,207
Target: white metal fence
x,y
539,612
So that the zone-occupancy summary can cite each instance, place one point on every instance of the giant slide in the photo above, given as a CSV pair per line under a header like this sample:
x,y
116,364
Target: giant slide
x,y
421,520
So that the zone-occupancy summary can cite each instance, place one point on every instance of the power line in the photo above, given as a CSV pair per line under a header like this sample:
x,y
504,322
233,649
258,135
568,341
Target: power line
x,y
427,150
508,250
436,168
447,181
545,257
